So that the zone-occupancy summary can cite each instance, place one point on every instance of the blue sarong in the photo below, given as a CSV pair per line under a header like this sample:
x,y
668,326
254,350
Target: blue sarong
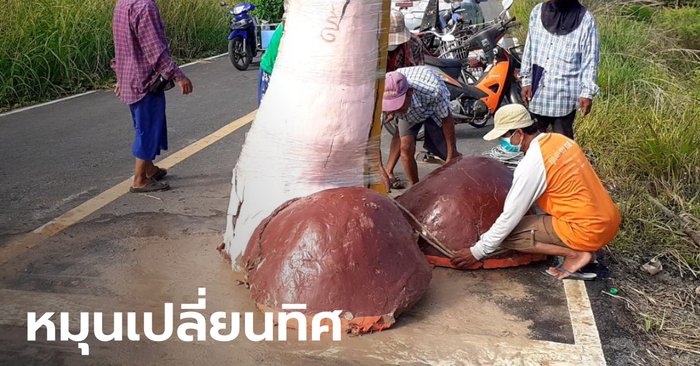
x,y
263,83
150,127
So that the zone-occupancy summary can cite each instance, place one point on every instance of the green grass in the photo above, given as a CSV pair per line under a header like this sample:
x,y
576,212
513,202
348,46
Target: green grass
x,y
271,10
643,137
50,48
684,23
644,133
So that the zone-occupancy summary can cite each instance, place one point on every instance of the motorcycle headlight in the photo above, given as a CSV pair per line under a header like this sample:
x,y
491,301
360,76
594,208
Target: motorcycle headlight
x,y
238,9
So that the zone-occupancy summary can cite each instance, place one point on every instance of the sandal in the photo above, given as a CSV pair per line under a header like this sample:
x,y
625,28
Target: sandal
x,y
571,275
396,183
160,174
152,186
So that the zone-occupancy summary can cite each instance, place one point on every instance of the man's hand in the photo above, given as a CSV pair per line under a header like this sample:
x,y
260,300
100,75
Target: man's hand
x,y
389,118
585,105
117,91
185,85
526,94
463,259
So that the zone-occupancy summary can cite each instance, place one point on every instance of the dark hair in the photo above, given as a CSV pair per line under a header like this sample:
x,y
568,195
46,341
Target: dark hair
x,y
529,130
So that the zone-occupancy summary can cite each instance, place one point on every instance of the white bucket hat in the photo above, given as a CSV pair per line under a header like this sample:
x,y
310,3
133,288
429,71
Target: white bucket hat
x,y
509,117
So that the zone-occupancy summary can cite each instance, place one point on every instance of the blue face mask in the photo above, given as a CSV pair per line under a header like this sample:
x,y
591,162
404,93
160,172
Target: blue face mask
x,y
505,143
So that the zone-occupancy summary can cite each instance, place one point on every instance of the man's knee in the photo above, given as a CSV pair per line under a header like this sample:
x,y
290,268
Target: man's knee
x,y
408,147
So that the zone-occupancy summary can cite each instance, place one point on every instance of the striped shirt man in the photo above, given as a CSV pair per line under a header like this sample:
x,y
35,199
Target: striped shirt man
x,y
569,63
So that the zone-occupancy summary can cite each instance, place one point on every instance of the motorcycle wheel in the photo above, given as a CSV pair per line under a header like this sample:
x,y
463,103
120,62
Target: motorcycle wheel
x,y
238,54
480,123
514,93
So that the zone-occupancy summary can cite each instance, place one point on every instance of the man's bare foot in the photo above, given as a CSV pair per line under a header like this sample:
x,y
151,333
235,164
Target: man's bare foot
x,y
572,263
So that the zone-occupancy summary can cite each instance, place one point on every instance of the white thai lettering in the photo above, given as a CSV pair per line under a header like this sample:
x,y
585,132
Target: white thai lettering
x,y
117,327
300,318
84,325
218,322
34,325
167,324
317,327
131,327
199,325
268,333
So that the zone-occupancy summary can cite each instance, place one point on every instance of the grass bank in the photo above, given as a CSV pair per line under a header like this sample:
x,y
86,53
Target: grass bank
x,y
50,48
643,136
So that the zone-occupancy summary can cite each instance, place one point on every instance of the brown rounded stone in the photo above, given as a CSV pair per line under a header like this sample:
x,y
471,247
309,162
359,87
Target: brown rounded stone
x,y
460,201
348,249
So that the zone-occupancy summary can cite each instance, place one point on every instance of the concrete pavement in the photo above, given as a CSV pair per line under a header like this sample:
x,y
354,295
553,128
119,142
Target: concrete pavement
x,y
140,251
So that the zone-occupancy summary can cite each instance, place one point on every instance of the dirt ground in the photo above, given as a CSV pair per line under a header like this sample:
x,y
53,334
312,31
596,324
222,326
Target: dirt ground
x,y
141,251
622,319
510,316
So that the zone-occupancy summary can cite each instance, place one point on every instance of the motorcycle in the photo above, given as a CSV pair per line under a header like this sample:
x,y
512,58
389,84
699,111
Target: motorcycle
x,y
461,13
498,85
463,16
415,12
243,39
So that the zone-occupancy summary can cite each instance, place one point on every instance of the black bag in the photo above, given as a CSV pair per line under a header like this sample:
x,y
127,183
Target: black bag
x,y
162,84
537,73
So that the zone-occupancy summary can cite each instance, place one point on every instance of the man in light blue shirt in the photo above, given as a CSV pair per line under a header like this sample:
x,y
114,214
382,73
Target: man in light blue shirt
x,y
560,64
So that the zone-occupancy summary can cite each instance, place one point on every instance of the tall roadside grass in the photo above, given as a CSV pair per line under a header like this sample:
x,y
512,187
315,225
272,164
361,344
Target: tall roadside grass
x,y
643,137
50,48
644,132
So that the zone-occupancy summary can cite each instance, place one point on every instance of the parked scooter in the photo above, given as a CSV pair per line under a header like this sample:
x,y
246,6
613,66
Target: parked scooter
x,y
243,39
461,18
499,84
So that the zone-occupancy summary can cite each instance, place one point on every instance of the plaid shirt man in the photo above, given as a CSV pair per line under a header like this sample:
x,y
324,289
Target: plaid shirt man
x,y
141,49
570,64
431,98
411,53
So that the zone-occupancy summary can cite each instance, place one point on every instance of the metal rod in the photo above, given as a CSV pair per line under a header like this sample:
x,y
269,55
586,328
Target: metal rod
x,y
429,237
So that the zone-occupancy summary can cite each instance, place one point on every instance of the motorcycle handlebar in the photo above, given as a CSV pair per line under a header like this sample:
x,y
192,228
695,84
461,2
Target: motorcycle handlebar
x,y
450,32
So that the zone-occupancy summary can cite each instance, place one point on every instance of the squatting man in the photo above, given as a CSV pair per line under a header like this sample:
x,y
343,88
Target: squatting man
x,y
580,217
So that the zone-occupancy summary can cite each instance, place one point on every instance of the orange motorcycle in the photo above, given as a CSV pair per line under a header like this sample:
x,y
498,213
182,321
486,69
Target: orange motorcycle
x,y
475,99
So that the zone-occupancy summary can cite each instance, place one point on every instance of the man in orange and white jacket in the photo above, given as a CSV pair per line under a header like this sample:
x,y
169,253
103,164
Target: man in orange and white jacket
x,y
580,217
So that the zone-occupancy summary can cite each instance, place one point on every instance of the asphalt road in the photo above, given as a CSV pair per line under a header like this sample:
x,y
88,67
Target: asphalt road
x,y
58,156
152,248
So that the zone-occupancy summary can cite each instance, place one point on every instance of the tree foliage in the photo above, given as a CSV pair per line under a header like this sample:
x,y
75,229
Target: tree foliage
x,y
271,10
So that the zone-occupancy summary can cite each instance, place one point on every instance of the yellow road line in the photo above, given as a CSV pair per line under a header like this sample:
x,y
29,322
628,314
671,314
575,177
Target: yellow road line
x,y
25,242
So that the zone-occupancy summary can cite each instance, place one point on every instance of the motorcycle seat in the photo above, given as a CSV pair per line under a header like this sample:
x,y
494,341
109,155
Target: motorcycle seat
x,y
443,63
453,68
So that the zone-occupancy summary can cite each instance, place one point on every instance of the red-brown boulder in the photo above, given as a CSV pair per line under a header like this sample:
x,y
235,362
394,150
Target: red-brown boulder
x,y
460,201
348,249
